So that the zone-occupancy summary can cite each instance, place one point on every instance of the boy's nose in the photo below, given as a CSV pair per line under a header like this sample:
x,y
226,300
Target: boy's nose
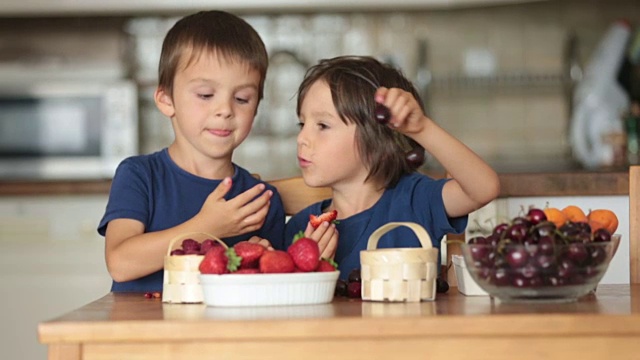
x,y
301,139
223,109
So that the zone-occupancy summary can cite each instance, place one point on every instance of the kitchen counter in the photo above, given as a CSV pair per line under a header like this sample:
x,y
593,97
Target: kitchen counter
x,y
129,326
534,183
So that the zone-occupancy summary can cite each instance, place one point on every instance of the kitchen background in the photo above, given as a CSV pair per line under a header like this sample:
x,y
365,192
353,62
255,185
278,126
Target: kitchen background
x,y
500,78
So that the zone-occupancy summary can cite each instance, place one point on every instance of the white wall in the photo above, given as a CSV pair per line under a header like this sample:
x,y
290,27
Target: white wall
x,y
43,277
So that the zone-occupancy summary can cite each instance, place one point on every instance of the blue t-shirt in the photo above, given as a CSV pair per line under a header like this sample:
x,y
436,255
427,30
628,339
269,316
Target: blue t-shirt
x,y
155,191
416,198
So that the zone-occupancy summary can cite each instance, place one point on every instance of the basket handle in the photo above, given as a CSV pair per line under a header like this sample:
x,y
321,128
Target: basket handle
x,y
420,232
190,235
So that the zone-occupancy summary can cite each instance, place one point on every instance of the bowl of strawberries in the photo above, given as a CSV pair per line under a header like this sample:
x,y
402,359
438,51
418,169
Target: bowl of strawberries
x,y
247,274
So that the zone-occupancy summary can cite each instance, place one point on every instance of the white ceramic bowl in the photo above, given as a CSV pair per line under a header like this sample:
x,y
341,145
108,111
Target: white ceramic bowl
x,y
466,284
269,289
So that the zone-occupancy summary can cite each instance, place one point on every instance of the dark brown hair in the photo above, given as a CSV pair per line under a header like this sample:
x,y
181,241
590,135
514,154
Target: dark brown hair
x,y
211,31
353,81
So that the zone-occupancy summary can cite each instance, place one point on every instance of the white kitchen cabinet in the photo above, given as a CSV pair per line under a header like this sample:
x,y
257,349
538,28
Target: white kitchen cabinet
x,y
51,218
127,7
504,209
51,261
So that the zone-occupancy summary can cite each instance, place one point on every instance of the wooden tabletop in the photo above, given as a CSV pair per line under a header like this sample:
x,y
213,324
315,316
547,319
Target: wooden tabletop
x,y
123,325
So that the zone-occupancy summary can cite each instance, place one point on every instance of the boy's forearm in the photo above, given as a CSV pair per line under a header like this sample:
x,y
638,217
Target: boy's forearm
x,y
136,257
143,254
475,177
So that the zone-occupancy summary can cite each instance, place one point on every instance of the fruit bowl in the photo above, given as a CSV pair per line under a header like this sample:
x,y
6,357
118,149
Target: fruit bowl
x,y
552,268
268,289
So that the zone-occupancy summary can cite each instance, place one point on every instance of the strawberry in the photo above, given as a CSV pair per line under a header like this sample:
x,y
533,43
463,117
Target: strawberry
x,y
249,253
219,260
305,253
247,271
329,216
276,261
326,265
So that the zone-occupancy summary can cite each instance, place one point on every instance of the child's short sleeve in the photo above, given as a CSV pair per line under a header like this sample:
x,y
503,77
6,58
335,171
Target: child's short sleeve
x,y
129,196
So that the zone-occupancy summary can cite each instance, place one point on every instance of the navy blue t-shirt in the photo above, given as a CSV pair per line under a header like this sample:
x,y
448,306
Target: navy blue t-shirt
x,y
155,191
416,198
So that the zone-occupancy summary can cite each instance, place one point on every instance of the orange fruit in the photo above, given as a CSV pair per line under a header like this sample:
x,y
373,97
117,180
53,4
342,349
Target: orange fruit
x,y
555,216
575,214
603,218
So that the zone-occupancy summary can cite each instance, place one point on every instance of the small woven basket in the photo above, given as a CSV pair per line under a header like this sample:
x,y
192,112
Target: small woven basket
x,y
181,283
399,274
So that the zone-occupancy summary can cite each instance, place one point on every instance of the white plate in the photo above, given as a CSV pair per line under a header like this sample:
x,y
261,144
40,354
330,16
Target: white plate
x,y
268,289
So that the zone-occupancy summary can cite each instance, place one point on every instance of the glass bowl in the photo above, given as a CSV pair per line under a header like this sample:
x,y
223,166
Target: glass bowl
x,y
549,271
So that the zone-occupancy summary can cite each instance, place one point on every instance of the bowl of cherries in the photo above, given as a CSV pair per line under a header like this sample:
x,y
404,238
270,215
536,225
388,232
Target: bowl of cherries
x,y
532,259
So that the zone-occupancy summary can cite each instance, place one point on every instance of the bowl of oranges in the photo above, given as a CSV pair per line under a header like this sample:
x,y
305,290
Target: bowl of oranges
x,y
544,255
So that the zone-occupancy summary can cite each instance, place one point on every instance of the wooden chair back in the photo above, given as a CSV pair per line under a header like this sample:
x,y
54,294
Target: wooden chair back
x,y
296,195
634,224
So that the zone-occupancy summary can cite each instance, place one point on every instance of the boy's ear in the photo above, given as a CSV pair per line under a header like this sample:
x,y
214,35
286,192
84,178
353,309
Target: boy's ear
x,y
164,102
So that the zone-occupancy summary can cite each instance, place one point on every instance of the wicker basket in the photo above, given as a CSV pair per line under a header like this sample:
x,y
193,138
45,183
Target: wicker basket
x,y
181,282
399,274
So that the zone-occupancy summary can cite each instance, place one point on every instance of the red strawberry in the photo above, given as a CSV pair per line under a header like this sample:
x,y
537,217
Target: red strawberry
x,y
276,261
247,271
250,253
326,265
305,253
318,220
219,260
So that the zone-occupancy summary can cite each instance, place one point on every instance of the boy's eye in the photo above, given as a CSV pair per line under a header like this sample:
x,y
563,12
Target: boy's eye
x,y
242,100
205,96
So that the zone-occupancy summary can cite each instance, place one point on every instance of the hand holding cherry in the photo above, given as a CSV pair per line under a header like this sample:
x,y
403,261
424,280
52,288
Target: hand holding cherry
x,y
382,114
415,156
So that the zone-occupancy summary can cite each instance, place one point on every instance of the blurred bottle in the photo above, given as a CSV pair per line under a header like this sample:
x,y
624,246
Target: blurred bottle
x,y
599,103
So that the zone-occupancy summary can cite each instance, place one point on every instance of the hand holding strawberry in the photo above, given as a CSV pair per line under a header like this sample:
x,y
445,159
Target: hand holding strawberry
x,y
326,236
317,220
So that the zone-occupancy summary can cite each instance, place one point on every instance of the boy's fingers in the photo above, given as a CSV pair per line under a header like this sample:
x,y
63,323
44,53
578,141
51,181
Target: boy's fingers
x,y
258,216
308,232
222,189
260,241
323,234
247,196
330,250
257,204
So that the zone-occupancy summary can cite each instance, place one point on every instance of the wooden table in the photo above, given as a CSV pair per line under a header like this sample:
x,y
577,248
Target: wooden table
x,y
128,326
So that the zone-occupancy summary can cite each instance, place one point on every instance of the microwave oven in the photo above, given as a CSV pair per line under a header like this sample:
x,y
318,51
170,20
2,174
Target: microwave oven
x,y
66,129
